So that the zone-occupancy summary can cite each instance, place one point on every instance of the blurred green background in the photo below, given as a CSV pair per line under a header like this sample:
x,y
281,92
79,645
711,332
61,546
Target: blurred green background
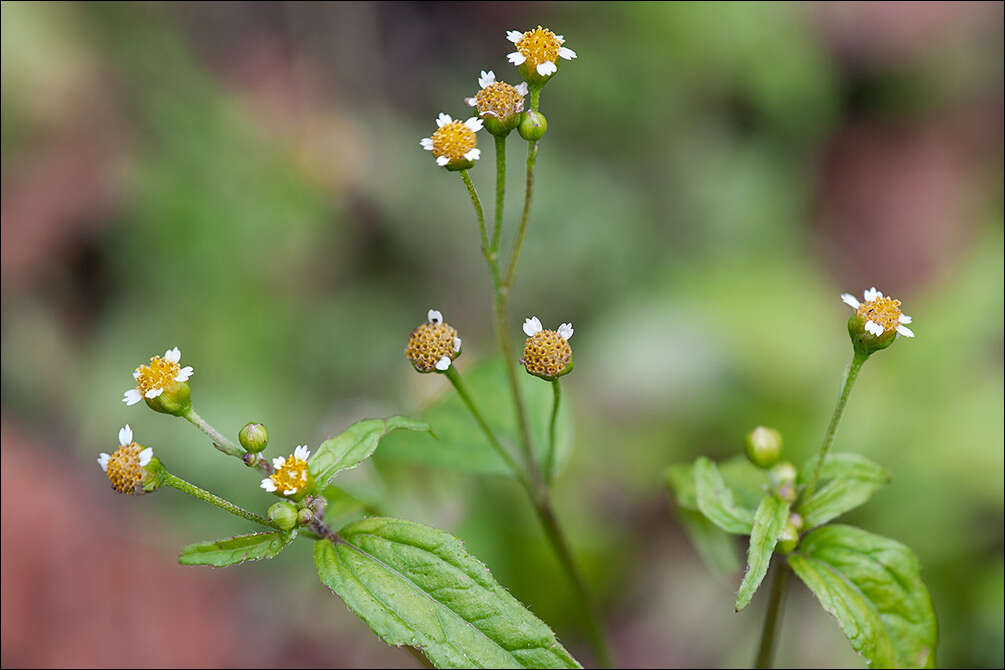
x,y
244,181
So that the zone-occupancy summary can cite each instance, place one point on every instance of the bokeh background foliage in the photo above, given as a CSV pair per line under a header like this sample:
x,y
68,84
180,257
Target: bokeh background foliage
x,y
244,181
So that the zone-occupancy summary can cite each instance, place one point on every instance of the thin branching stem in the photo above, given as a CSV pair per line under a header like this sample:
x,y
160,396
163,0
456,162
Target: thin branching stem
x,y
849,380
213,499
773,617
549,464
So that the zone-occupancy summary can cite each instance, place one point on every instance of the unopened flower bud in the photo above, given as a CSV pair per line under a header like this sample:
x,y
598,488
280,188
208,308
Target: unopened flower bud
x,y
546,353
764,446
305,516
433,345
788,539
876,322
783,479
254,437
132,468
163,384
796,520
284,514
533,126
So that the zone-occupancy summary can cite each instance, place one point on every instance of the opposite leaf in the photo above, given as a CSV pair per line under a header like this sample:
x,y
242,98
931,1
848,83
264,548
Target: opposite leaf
x,y
357,443
417,586
237,549
853,480
715,500
873,586
768,523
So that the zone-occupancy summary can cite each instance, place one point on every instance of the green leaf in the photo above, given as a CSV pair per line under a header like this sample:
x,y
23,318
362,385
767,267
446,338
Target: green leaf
x,y
873,586
342,506
356,444
852,481
716,548
747,482
769,520
237,549
461,444
715,500
417,586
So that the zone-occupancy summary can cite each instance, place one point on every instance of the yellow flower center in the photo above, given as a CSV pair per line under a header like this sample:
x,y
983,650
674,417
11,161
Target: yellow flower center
x,y
539,45
500,100
453,141
546,354
885,311
292,476
429,343
158,375
124,470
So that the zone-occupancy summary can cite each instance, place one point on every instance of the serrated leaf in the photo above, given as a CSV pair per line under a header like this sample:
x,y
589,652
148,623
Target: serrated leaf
x,y
461,444
342,506
417,586
873,586
769,519
355,444
715,500
237,549
747,482
850,481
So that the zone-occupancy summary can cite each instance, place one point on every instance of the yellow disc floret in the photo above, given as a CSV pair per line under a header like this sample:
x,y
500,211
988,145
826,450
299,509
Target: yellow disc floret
x,y
124,470
539,46
159,374
884,311
291,474
431,343
546,354
500,100
453,141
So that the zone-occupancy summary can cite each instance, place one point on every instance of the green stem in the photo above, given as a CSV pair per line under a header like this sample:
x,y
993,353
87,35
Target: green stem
x,y
219,441
772,618
535,97
528,192
462,391
500,189
478,210
204,495
549,467
850,376
595,632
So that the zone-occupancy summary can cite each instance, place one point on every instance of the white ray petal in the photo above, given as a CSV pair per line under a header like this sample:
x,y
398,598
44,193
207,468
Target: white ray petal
x,y
302,452
145,456
522,88
443,363
125,435
442,161
153,393
532,326
873,328
474,124
103,461
426,143
173,355
565,330
514,36
184,374
289,492
546,68
473,155
269,485
905,331
470,102
904,318
487,78
872,294
566,53
850,300
443,119
457,344
278,462
434,317
131,397
516,58
136,373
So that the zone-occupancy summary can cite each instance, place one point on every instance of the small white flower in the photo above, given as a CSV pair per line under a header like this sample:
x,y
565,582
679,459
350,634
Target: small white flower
x,y
565,330
546,68
103,461
532,326
486,78
301,452
881,313
457,344
269,485
434,317
152,379
125,435
566,53
516,58
443,363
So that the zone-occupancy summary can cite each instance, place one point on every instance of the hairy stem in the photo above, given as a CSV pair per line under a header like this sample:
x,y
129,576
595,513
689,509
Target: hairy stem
x,y
773,617
524,217
206,496
500,190
849,380
225,445
478,210
549,465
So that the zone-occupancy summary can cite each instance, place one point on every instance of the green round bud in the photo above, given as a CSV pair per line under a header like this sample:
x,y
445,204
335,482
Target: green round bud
x,y
783,473
533,126
254,437
796,520
764,446
788,539
284,514
175,399
305,516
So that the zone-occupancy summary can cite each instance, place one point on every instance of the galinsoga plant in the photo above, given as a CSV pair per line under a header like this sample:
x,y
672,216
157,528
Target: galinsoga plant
x,y
870,584
415,586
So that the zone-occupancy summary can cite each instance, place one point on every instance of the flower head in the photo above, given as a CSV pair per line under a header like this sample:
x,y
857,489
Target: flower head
x,y
126,466
537,52
547,353
454,144
291,475
162,383
433,345
498,104
877,320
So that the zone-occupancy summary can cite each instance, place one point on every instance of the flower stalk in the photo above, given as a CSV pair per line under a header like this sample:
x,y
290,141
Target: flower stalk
x,y
213,499
849,381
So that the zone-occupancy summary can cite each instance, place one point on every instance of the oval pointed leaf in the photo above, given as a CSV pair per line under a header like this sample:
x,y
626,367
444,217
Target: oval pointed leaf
x,y
237,549
852,481
342,506
417,586
768,523
355,444
873,586
715,500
